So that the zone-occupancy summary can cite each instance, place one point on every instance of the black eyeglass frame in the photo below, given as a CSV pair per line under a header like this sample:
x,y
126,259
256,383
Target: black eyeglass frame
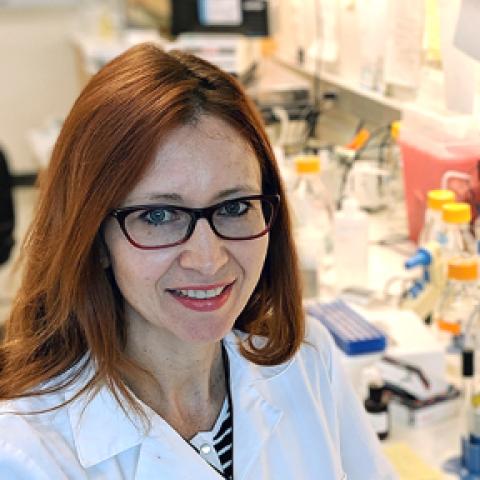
x,y
120,214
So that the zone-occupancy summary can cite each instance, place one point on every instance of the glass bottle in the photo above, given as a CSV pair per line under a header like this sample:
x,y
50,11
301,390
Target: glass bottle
x,y
312,215
459,240
459,298
377,410
434,227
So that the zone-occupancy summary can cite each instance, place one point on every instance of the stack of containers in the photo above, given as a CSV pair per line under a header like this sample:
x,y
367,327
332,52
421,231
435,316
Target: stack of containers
x,y
424,293
460,295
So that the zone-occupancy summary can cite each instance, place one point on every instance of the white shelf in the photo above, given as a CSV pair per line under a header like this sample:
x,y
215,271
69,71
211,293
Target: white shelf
x,y
393,105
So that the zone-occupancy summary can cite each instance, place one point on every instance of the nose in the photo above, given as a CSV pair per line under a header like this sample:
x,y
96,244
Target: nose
x,y
204,251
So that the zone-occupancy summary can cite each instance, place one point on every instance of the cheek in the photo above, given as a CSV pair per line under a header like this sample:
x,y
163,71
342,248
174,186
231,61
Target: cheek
x,y
136,269
253,258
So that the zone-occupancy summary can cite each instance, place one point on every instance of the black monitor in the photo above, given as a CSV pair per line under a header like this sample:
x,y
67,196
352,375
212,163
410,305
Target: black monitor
x,y
188,16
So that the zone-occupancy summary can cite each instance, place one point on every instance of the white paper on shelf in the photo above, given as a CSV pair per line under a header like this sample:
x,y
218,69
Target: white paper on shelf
x,y
406,20
372,41
329,32
458,68
466,32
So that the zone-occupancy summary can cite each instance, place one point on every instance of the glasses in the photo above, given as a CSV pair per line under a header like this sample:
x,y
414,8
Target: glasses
x,y
160,225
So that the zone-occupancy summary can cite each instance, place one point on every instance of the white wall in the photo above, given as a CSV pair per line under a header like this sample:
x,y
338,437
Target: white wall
x,y
37,75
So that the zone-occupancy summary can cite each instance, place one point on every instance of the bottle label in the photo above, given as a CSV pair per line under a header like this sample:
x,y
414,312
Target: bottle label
x,y
442,238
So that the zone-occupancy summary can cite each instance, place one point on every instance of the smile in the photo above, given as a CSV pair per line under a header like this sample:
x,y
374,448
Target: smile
x,y
200,294
202,299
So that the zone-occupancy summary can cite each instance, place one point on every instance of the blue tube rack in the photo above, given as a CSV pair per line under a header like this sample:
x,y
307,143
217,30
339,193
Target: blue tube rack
x,y
353,334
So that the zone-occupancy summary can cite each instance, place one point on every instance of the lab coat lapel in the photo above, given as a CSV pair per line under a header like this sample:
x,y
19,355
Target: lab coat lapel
x,y
254,417
253,424
101,429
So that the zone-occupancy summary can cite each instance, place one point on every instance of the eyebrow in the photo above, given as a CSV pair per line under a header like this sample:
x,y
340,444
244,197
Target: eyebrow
x,y
243,189
222,194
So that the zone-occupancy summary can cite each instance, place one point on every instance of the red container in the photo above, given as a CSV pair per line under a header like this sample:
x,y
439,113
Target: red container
x,y
426,159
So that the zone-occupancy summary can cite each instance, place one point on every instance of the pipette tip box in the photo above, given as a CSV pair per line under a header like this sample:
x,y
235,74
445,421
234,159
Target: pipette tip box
x,y
352,333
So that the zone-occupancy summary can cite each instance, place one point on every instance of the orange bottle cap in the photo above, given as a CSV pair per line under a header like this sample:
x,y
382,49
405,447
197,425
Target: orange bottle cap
x,y
454,328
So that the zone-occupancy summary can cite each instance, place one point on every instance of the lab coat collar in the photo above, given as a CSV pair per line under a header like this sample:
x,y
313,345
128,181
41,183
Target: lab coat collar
x,y
101,429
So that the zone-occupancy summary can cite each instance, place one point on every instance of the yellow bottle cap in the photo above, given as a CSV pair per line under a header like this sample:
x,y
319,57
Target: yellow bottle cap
x,y
437,198
463,269
456,212
307,163
395,129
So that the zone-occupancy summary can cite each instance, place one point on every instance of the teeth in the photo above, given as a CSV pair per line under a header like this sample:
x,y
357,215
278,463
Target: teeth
x,y
202,294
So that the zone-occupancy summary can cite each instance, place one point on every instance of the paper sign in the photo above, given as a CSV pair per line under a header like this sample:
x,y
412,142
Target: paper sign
x,y
404,56
458,67
220,12
466,32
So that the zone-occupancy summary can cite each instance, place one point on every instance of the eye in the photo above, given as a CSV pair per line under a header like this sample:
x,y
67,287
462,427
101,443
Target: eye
x,y
235,208
159,216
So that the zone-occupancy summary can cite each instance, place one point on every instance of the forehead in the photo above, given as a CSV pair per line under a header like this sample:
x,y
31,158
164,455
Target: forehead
x,y
197,162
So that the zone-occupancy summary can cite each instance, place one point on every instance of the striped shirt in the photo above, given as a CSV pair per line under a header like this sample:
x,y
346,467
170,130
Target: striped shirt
x,y
221,438
223,442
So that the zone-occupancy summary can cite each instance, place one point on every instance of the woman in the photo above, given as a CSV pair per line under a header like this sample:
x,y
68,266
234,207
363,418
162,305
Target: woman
x,y
158,332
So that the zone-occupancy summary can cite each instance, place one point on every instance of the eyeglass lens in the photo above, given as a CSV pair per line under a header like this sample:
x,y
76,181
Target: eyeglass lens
x,y
163,225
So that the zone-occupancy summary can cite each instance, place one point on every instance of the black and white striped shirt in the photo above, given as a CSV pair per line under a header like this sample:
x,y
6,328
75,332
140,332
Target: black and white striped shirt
x,y
222,441
221,438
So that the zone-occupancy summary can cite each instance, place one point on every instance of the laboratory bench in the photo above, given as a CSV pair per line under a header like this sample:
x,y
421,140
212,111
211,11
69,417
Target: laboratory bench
x,y
422,448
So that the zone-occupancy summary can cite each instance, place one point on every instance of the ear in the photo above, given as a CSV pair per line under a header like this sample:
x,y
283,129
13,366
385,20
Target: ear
x,y
104,254
105,260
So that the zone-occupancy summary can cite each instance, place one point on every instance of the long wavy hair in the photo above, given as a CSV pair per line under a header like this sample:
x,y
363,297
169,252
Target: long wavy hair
x,y
68,310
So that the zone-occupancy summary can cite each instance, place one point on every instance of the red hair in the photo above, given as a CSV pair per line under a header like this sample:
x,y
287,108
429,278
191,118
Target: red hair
x,y
68,306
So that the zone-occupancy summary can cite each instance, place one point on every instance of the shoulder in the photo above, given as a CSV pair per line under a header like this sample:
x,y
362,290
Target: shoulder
x,y
318,342
36,436
315,355
27,440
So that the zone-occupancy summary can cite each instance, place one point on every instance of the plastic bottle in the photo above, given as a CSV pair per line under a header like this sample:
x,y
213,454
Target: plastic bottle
x,y
433,227
350,244
459,241
459,298
313,216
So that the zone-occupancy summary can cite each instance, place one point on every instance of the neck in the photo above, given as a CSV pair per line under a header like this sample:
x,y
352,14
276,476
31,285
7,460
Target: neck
x,y
187,383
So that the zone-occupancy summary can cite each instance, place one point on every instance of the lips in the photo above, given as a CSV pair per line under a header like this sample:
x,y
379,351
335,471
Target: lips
x,y
204,298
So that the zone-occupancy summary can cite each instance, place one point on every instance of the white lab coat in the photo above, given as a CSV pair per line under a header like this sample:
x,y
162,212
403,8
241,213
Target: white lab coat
x,y
296,421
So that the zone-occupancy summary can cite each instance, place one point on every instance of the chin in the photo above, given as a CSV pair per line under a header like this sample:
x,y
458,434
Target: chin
x,y
206,334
